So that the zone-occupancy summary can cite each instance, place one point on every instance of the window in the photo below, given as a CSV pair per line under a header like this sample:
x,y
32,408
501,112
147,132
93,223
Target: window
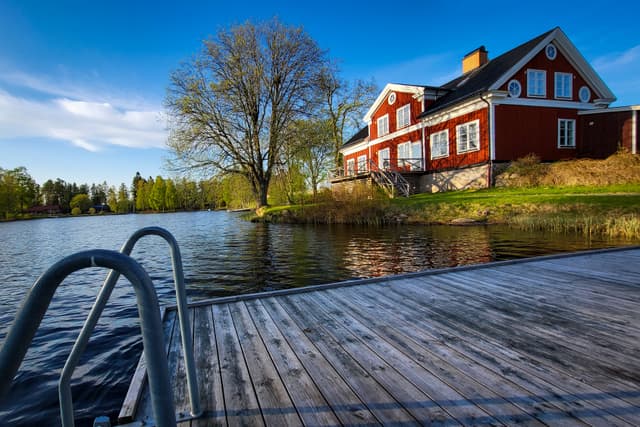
x,y
383,159
551,51
564,85
584,94
514,88
536,83
351,167
403,116
362,163
410,156
392,98
468,136
383,125
566,133
440,144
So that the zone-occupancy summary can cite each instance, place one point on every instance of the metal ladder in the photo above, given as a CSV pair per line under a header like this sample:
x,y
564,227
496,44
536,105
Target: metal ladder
x,y
37,301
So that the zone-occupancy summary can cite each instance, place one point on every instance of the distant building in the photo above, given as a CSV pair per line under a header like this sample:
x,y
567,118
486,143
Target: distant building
x,y
541,97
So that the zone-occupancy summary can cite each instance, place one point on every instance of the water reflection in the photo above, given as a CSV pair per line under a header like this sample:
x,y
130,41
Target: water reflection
x,y
222,256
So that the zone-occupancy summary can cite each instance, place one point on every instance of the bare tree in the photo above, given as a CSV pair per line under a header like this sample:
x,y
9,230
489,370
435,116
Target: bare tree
x,y
345,104
231,105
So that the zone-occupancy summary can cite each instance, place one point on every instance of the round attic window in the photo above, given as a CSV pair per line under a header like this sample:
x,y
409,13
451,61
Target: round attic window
x,y
551,51
514,88
584,94
392,98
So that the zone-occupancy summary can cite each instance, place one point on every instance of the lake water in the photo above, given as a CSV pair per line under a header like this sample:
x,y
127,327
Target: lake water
x,y
222,255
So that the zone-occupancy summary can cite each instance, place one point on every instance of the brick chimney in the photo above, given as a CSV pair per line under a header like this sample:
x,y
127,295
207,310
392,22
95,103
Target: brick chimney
x,y
475,59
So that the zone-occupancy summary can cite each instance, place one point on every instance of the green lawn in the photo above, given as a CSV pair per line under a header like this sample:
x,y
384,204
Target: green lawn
x,y
613,209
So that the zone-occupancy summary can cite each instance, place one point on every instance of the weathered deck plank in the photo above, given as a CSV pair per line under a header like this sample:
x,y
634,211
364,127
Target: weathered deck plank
x,y
552,341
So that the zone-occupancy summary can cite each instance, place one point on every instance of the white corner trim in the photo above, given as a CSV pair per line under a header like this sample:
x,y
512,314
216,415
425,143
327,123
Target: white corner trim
x,y
611,110
492,131
552,103
396,134
634,132
354,148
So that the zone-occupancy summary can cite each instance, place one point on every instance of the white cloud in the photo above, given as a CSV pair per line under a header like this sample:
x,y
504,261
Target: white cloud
x,y
617,60
423,70
75,115
621,72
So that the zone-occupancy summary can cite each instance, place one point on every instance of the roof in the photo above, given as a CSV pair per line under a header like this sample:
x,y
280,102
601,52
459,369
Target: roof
x,y
483,77
415,89
494,73
357,137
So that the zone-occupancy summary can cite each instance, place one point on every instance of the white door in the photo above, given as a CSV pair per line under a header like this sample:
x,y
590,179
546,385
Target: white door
x,y
383,159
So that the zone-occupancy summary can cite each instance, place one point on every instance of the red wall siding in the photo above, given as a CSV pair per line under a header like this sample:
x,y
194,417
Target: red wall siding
x,y
602,134
459,160
524,130
559,64
392,144
354,156
402,99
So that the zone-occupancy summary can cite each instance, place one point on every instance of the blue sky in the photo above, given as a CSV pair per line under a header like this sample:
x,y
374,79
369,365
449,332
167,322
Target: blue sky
x,y
82,83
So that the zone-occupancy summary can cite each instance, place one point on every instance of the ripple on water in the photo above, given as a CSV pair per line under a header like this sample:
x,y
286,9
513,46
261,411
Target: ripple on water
x,y
222,256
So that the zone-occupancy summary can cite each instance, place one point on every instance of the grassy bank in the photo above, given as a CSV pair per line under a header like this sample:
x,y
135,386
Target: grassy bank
x,y
612,210
534,196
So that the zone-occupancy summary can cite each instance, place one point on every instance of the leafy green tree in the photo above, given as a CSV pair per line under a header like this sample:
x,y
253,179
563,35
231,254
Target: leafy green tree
x,y
123,204
170,195
18,191
313,146
112,199
82,202
141,195
157,195
134,188
230,107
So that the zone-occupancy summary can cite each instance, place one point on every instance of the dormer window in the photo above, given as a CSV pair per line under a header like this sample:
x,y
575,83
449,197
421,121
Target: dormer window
x,y
537,83
383,125
563,85
403,116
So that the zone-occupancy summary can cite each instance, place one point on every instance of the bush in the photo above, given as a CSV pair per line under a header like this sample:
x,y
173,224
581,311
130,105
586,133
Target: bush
x,y
619,168
76,211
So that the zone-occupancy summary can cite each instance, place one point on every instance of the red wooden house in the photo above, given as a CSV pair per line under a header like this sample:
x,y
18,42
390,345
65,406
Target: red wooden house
x,y
541,97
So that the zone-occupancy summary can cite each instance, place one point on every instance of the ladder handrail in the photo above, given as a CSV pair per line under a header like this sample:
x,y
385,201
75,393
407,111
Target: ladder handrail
x,y
64,387
37,302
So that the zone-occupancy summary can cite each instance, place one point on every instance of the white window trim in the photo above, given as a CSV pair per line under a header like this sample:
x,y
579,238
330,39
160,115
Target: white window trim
x,y
431,140
406,107
467,125
381,119
381,164
584,90
555,51
573,122
518,85
555,85
544,84
362,160
351,166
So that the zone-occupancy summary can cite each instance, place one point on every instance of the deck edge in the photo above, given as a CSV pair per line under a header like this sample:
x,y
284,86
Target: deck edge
x,y
430,272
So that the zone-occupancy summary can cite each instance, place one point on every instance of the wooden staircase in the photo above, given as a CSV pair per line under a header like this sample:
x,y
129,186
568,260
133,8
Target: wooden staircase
x,y
392,182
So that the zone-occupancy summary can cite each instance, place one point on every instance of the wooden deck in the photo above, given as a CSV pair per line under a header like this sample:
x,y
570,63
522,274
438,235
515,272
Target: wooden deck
x,y
547,341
